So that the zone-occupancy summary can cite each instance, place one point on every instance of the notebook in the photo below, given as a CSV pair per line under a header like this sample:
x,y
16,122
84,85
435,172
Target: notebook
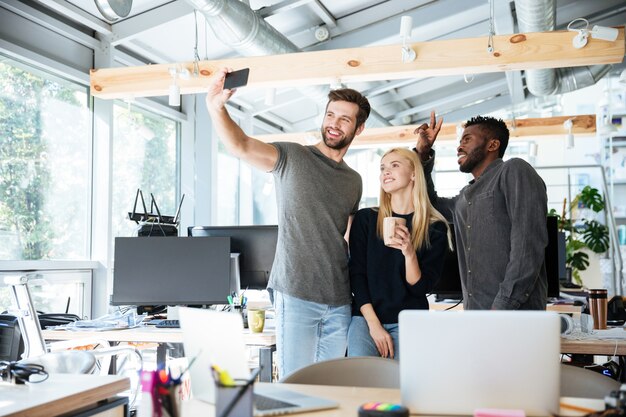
x,y
215,337
456,362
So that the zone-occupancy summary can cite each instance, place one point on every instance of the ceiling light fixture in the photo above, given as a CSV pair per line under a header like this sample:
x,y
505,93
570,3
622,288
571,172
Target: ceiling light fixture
x,y
532,149
174,91
406,26
270,96
569,125
597,32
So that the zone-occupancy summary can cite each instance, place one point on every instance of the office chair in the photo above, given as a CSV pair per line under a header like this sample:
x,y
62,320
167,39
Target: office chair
x,y
365,371
581,382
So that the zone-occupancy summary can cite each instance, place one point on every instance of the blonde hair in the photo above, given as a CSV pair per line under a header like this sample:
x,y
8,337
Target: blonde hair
x,y
425,214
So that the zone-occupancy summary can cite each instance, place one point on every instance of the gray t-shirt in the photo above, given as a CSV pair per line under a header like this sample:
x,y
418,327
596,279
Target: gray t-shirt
x,y
315,197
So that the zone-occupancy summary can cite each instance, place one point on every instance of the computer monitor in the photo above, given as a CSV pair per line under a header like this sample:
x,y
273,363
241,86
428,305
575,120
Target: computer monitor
x,y
171,271
256,246
554,257
449,284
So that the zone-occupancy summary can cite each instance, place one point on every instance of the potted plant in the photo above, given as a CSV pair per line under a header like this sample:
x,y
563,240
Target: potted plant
x,y
582,233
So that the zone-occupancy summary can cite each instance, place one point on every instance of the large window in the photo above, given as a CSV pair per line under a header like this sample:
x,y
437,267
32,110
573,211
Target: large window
x,y
145,157
44,166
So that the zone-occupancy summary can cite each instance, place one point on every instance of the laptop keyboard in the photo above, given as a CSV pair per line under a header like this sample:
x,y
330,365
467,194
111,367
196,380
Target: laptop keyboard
x,y
168,323
262,402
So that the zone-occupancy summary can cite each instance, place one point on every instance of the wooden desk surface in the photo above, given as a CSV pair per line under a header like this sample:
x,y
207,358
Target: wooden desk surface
x,y
559,308
59,394
151,334
350,398
606,347
268,338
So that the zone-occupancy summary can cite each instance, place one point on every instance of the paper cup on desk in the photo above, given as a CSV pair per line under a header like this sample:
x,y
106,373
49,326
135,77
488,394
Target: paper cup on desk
x,y
389,228
256,320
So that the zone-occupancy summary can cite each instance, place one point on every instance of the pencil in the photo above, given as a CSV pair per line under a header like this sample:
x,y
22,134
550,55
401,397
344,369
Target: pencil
x,y
577,408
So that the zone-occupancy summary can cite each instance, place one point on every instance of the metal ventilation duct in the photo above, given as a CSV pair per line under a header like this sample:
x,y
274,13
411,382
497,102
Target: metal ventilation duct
x,y
540,16
238,26
113,10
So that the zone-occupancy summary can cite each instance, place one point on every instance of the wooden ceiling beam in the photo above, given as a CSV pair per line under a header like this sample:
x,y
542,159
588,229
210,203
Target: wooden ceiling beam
x,y
434,58
582,125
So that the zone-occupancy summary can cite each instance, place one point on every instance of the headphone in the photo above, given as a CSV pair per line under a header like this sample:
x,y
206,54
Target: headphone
x,y
14,372
567,324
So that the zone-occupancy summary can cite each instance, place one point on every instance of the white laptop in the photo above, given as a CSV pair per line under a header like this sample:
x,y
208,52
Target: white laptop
x,y
456,362
214,337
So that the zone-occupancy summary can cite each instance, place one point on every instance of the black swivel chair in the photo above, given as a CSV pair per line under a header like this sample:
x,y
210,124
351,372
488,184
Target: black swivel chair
x,y
11,342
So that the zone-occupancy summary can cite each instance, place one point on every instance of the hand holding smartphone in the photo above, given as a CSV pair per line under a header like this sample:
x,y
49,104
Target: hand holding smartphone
x,y
236,79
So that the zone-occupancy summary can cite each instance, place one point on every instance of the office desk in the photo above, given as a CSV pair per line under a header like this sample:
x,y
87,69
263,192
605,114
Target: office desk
x,y
265,340
558,308
606,347
350,398
64,394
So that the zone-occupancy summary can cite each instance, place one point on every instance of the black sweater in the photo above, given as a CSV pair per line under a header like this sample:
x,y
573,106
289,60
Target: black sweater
x,y
377,272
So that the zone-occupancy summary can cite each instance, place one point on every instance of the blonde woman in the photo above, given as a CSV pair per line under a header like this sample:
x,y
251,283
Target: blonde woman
x,y
388,279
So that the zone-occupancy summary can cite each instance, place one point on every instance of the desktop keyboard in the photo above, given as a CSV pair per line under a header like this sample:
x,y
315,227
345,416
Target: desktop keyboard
x,y
262,402
168,323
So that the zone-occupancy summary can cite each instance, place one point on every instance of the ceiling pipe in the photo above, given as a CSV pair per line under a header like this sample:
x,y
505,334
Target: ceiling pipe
x,y
540,16
235,24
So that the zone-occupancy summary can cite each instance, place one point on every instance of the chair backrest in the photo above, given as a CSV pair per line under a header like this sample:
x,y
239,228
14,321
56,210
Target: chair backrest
x,y
581,382
363,371
11,342
65,362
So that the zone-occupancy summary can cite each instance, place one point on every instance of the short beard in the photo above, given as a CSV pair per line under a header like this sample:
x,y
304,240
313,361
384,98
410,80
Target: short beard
x,y
344,143
473,159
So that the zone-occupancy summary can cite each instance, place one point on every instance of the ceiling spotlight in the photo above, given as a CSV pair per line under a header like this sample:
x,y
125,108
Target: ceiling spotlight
x,y
569,125
459,131
336,84
270,96
174,91
597,32
406,25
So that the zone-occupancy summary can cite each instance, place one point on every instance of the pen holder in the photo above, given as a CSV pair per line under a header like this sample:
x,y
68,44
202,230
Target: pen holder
x,y
234,401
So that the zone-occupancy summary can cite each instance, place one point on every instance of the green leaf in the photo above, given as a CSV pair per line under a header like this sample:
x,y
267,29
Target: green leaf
x,y
578,260
596,236
590,197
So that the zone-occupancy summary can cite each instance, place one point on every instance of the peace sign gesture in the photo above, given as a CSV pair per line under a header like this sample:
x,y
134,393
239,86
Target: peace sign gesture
x,y
427,133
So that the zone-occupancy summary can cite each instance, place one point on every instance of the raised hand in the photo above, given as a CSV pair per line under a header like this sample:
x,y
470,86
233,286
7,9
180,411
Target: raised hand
x,y
216,96
426,135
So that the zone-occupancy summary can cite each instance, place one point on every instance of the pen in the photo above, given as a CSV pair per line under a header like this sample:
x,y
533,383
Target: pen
x,y
230,300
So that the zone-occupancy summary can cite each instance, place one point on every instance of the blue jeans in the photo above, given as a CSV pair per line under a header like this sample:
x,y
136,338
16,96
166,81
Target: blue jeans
x,y
308,332
360,343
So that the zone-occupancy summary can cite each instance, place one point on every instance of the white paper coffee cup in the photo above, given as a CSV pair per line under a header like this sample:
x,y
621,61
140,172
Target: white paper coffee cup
x,y
389,228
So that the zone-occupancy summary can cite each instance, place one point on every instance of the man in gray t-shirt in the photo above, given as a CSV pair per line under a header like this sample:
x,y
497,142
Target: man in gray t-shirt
x,y
317,194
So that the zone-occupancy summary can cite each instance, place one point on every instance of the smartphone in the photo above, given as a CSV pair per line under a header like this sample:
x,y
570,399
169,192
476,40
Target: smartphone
x,y
236,79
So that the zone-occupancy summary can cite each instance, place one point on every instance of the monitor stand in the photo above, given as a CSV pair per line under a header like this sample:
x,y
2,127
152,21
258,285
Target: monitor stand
x,y
235,274
452,298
